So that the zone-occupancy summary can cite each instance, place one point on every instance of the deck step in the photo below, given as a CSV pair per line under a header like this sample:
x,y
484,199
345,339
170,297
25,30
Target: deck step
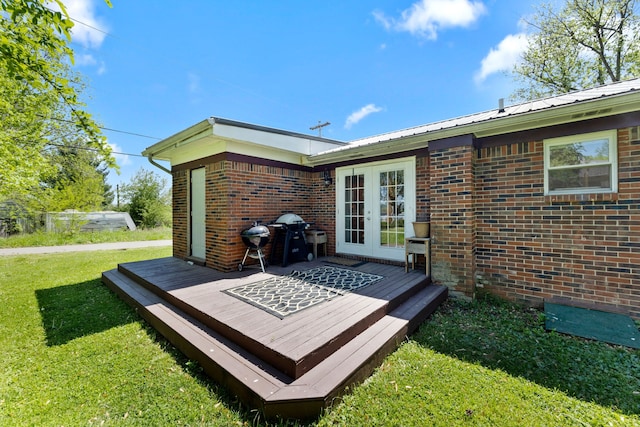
x,y
170,283
260,385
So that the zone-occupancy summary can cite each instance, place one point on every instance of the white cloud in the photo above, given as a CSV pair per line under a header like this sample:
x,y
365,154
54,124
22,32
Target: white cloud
x,y
84,15
194,82
360,114
503,57
85,59
88,60
102,68
383,19
426,17
121,159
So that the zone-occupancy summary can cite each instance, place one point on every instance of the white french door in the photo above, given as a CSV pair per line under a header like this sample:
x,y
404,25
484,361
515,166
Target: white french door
x,y
374,201
198,211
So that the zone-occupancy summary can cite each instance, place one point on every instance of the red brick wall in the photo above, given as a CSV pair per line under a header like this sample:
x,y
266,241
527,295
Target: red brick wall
x,y
422,189
323,207
180,191
451,193
531,247
239,193
222,235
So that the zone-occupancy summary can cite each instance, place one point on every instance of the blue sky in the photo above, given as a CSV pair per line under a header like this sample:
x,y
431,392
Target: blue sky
x,y
367,67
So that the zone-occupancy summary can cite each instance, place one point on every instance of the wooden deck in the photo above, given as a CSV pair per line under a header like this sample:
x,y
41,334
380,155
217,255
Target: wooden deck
x,y
292,366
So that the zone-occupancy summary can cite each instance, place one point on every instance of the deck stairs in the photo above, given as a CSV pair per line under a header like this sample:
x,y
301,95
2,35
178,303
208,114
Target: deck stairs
x,y
286,381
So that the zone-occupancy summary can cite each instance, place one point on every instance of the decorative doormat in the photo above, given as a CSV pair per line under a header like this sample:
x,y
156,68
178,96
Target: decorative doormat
x,y
345,261
598,325
285,295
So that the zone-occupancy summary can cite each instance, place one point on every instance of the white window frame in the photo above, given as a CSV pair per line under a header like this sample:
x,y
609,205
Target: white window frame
x,y
611,135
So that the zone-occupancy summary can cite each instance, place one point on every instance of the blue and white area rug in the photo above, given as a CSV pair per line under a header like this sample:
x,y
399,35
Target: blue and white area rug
x,y
285,295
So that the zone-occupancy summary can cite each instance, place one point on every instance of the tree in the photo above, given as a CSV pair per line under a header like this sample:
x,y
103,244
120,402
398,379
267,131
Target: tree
x,y
76,180
585,44
147,200
22,135
39,90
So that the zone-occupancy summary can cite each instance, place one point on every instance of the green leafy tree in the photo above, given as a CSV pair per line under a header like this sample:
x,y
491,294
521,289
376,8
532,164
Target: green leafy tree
x,y
39,90
586,43
22,135
147,200
76,182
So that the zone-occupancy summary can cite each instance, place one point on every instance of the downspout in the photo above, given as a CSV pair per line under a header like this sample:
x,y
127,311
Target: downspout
x,y
156,164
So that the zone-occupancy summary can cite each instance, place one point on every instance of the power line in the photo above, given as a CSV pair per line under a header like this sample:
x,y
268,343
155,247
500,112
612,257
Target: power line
x,y
129,133
103,128
91,149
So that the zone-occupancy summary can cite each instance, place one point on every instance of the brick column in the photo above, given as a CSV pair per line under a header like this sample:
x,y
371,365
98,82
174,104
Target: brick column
x,y
453,231
180,199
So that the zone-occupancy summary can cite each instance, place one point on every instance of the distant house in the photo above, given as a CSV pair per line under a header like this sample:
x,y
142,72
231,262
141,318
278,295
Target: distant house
x,y
532,201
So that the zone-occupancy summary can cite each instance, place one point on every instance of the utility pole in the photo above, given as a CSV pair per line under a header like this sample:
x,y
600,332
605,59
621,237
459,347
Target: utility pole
x,y
319,126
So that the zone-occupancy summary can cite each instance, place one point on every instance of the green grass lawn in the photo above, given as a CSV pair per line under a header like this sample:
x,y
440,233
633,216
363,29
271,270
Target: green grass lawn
x,y
72,353
56,239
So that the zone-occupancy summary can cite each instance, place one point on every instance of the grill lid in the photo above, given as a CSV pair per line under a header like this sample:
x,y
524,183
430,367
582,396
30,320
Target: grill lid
x,y
289,219
256,230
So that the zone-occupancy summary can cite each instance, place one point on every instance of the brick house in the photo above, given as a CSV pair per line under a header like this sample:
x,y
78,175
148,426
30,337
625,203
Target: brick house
x,y
532,201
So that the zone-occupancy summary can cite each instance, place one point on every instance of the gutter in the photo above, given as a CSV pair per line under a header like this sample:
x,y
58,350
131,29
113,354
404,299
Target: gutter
x,y
173,142
156,164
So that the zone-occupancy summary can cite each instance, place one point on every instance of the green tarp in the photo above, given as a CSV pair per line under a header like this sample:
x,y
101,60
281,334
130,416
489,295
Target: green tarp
x,y
612,328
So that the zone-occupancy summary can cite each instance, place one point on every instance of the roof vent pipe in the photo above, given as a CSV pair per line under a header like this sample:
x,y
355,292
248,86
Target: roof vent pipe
x,y
501,105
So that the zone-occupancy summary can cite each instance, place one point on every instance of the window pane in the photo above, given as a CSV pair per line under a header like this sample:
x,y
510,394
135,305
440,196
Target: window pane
x,y
580,178
392,208
582,153
353,208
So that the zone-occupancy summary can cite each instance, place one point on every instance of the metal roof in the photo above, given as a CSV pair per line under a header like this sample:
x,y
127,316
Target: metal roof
x,y
605,91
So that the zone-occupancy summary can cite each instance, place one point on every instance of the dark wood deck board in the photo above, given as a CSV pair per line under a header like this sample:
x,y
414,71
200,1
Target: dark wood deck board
x,y
207,342
328,312
326,347
294,336
318,333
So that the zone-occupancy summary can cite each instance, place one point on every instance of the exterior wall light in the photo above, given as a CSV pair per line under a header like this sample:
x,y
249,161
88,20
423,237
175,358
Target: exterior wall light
x,y
326,177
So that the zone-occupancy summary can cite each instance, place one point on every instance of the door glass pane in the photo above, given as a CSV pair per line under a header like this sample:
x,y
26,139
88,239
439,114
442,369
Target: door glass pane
x,y
354,209
392,208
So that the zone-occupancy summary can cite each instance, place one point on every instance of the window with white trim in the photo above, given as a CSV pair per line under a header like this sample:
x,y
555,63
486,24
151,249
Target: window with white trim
x,y
579,164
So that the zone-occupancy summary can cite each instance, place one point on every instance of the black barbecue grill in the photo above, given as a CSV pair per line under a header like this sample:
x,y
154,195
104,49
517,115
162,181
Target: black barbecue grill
x,y
255,238
290,237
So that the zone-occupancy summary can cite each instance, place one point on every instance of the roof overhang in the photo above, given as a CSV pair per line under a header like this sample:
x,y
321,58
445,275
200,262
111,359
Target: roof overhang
x,y
216,135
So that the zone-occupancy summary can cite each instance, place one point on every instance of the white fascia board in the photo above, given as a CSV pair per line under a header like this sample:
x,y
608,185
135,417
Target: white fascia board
x,y
214,136
163,150
291,143
200,141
